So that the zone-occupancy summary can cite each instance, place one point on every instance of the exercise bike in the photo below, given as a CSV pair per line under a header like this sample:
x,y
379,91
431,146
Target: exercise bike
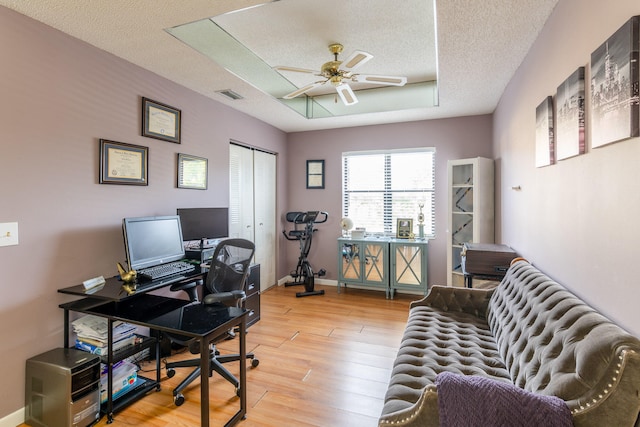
x,y
304,275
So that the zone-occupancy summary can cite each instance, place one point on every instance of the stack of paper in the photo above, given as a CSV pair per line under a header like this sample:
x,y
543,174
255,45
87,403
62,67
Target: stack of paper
x,y
91,334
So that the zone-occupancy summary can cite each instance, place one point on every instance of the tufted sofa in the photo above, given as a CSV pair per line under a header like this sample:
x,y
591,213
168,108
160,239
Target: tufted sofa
x,y
529,331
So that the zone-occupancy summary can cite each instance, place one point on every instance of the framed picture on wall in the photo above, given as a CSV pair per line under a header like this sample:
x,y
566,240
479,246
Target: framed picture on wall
x,y
570,139
545,150
122,163
615,108
315,173
160,121
192,172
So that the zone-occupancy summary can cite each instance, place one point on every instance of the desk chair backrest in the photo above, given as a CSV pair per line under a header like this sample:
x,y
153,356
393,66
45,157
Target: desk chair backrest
x,y
229,266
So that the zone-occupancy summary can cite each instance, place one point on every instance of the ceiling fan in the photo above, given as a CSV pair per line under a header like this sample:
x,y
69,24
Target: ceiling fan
x,y
339,72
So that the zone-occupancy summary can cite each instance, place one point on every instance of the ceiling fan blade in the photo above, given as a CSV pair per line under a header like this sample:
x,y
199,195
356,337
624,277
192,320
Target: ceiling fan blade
x,y
380,80
355,60
346,94
302,90
295,69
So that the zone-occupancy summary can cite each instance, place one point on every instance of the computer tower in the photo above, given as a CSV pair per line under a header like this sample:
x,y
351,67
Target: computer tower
x,y
62,389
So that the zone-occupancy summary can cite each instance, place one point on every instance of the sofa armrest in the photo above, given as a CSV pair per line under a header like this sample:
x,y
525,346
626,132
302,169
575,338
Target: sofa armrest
x,y
466,300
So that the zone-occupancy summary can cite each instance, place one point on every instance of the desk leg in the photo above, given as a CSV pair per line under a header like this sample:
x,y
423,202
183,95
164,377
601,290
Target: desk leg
x,y
204,382
66,328
109,371
243,368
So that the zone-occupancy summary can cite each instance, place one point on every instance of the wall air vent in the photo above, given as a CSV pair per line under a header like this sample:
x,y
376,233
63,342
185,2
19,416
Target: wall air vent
x,y
230,94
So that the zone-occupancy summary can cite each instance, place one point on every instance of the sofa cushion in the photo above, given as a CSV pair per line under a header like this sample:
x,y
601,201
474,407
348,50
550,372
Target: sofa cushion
x,y
437,341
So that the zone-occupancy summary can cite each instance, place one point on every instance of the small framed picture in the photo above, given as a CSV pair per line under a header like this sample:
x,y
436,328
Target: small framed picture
x,y
122,163
404,228
160,121
192,172
315,173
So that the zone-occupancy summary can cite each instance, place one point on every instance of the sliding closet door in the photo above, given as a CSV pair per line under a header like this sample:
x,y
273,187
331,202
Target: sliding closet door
x,y
241,192
264,181
252,205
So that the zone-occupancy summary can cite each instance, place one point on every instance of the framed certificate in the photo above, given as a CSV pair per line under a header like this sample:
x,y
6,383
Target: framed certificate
x,y
192,172
315,173
160,121
122,163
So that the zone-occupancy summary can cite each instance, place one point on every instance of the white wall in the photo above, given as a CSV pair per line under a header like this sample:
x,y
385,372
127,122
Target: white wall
x,y
576,220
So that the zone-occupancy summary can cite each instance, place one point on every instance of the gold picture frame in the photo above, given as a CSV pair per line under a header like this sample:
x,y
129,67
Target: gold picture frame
x,y
404,228
160,121
192,172
122,163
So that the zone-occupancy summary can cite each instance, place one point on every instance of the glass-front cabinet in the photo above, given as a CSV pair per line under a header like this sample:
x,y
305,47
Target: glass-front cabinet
x,y
470,210
364,262
408,266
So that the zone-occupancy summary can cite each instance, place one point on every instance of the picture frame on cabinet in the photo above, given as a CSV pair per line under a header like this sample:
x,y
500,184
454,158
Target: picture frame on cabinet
x,y
545,149
404,228
570,116
615,75
122,163
161,121
192,172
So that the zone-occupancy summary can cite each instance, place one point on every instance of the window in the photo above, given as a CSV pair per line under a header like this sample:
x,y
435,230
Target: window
x,y
378,187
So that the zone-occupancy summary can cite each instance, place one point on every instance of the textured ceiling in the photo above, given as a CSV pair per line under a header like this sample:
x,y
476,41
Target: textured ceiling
x,y
480,45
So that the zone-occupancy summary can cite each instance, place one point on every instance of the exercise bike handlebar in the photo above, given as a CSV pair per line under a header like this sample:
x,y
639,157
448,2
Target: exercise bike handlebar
x,y
308,218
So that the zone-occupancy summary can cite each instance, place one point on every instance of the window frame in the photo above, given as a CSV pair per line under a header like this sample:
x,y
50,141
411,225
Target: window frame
x,y
388,193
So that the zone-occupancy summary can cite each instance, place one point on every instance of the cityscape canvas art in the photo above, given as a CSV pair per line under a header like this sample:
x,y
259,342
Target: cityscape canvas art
x,y
545,150
615,108
570,139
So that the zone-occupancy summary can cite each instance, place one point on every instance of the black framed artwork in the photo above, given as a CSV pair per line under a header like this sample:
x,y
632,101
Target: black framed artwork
x,y
160,121
122,163
315,174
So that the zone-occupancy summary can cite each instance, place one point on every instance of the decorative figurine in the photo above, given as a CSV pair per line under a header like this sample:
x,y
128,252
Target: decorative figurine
x,y
127,276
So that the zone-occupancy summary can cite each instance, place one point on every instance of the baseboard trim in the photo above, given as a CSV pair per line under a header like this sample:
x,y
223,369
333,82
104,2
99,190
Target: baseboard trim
x,y
14,419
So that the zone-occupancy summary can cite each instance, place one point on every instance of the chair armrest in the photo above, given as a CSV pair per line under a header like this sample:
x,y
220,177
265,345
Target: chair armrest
x,y
447,298
223,297
189,288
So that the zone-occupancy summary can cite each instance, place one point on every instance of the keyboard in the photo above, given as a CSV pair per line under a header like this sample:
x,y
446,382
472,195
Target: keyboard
x,y
165,270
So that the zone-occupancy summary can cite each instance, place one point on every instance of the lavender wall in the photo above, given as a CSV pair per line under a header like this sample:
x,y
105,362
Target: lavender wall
x,y
576,220
456,138
59,96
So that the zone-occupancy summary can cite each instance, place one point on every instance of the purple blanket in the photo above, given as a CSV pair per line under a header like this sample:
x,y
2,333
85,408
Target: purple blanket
x,y
469,401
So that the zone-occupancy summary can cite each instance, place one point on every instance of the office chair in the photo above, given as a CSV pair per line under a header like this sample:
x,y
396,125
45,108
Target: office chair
x,y
224,284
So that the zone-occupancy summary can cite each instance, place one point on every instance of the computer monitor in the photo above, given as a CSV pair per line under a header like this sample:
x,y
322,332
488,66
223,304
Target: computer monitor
x,y
204,223
153,240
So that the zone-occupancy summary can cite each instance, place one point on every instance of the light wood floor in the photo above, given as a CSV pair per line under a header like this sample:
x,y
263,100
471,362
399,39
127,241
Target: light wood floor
x,y
324,361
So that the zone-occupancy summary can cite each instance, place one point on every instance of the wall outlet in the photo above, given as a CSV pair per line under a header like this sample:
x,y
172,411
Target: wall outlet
x,y
8,234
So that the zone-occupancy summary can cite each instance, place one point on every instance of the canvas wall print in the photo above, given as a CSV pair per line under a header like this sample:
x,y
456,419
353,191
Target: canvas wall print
x,y
570,116
615,111
545,150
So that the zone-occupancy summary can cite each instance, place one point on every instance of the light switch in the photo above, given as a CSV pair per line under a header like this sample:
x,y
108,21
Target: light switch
x,y
8,233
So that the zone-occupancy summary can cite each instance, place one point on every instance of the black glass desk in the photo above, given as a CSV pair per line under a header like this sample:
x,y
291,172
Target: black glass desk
x,y
166,314
115,290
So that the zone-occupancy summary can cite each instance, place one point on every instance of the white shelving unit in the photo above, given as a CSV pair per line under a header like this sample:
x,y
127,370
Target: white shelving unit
x,y
471,210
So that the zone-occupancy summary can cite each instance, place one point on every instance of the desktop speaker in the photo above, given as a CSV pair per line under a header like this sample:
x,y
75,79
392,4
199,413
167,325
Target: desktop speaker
x,y
62,389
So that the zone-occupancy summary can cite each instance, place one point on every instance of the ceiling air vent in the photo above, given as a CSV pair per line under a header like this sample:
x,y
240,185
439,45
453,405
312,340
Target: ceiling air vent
x,y
230,94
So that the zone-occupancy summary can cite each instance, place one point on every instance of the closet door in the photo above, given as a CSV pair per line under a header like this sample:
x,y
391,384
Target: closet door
x,y
241,192
252,205
264,184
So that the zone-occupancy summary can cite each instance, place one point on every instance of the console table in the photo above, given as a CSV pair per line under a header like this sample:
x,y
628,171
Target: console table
x,y
383,263
193,319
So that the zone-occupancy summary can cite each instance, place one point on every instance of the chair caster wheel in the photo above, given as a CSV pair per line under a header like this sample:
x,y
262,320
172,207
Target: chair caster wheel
x,y
254,363
178,399
171,372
